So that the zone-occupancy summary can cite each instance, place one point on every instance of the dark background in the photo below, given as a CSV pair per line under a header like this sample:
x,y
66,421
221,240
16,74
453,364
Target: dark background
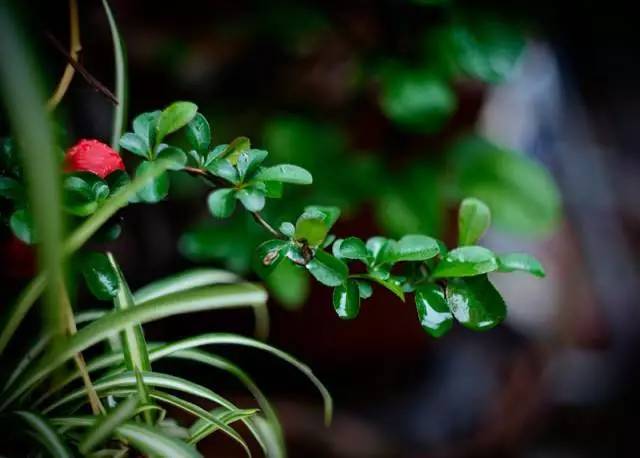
x,y
559,377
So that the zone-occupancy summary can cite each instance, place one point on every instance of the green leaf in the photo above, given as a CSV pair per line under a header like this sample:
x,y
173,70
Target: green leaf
x,y
215,153
144,125
189,279
233,150
287,229
376,245
104,426
364,289
314,224
466,261
328,214
249,161
100,276
289,285
285,173
408,248
11,189
222,202
520,261
327,269
353,248
475,302
155,190
45,434
223,169
175,158
433,312
252,198
198,133
213,297
273,189
418,100
117,180
346,300
83,193
135,144
474,218
132,337
521,194
174,117
269,254
386,280
22,226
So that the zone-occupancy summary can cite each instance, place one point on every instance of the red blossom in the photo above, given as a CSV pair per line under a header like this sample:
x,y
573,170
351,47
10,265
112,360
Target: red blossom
x,y
92,156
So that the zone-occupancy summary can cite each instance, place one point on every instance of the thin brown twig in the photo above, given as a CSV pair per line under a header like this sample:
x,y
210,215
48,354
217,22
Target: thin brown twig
x,y
74,49
93,82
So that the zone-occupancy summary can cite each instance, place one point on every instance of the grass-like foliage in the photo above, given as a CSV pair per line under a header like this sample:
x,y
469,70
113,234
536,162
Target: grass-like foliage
x,y
86,383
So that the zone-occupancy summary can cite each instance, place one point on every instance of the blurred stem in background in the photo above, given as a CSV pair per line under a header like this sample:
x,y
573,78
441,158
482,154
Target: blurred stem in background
x,y
74,49
23,98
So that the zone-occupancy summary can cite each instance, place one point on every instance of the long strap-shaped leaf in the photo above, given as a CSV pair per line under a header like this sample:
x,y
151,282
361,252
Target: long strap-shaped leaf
x,y
107,424
214,297
148,440
190,279
134,346
120,111
45,434
107,385
202,414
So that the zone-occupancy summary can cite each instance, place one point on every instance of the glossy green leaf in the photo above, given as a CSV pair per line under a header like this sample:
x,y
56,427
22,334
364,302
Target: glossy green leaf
x,y
329,214
100,276
175,158
466,261
252,197
22,227
45,434
287,229
433,312
174,117
311,229
135,144
328,269
222,202
223,169
408,248
249,161
474,218
520,261
155,190
416,99
285,173
107,424
475,302
233,150
198,133
353,248
364,289
269,254
144,125
346,300
383,278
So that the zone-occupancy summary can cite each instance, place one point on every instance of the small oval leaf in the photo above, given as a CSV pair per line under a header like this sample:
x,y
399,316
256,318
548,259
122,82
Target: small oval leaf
x,y
520,261
174,117
466,261
475,302
433,312
474,218
346,300
327,269
222,202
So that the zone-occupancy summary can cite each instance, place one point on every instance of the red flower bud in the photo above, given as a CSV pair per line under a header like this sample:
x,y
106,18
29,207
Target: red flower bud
x,y
92,156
